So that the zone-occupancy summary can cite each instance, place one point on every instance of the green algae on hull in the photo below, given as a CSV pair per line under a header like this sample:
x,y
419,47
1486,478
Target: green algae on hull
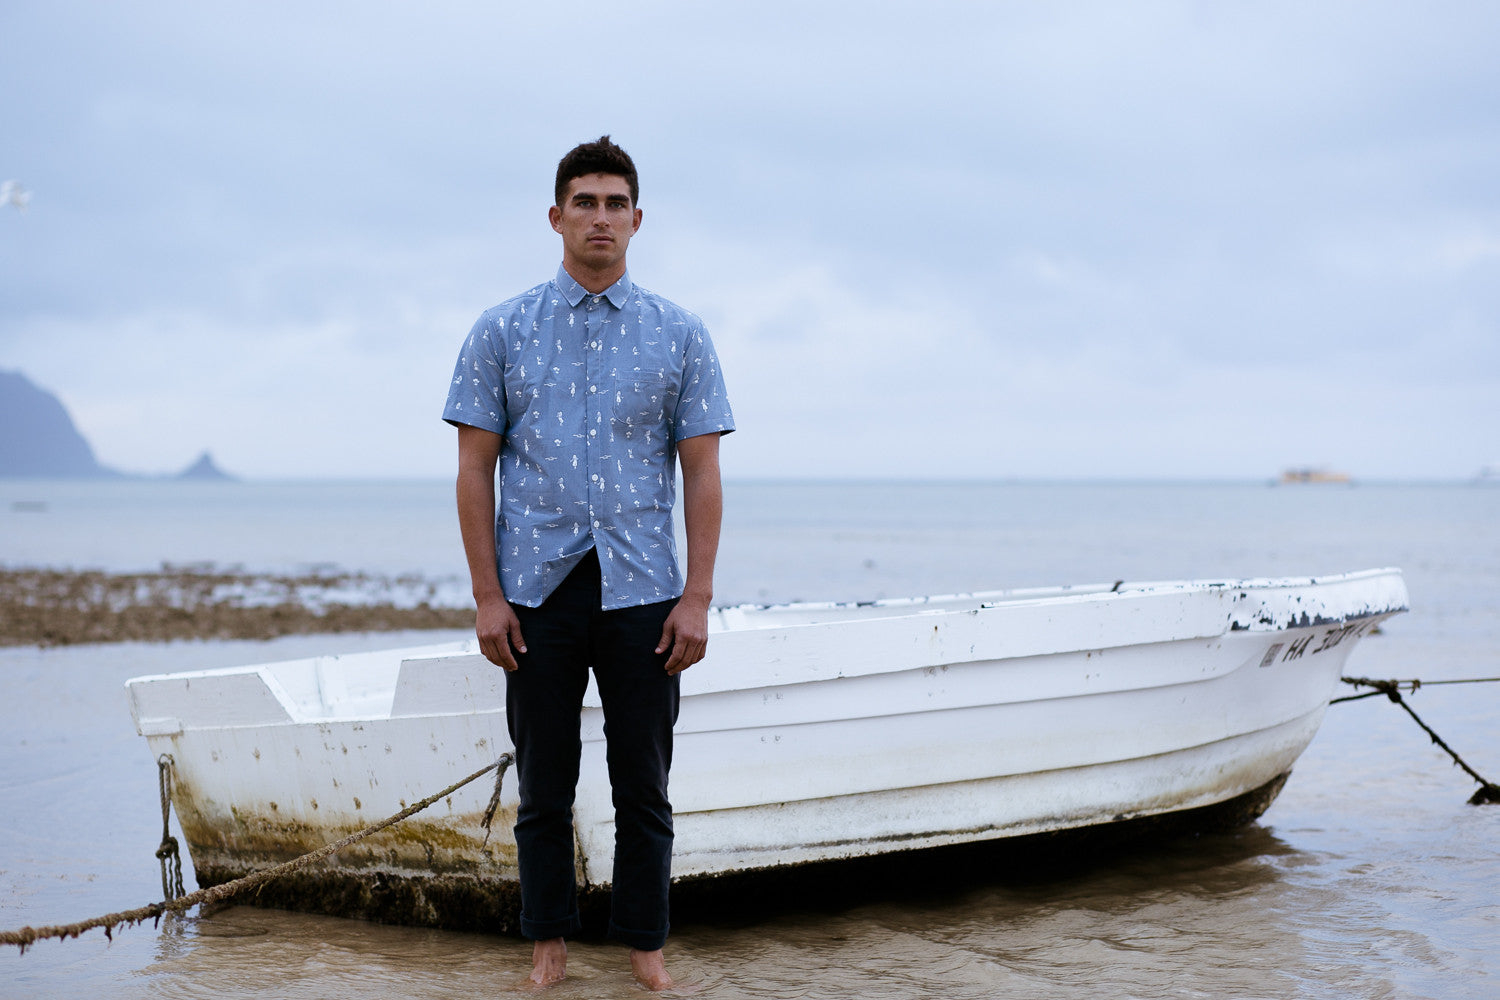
x,y
492,903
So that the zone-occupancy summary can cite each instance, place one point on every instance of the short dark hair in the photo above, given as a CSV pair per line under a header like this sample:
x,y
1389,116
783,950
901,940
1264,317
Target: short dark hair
x,y
599,157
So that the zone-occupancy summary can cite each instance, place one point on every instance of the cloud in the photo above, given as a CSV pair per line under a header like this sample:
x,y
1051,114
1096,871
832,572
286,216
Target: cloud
x,y
935,237
332,397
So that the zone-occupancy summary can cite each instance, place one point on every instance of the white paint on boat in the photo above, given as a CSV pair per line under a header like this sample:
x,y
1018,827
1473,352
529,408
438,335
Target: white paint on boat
x,y
810,732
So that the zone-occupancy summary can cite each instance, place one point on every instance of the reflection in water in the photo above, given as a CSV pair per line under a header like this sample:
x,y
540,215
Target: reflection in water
x,y
1195,914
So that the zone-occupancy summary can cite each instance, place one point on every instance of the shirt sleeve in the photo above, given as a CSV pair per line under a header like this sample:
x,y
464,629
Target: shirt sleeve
x,y
703,404
476,396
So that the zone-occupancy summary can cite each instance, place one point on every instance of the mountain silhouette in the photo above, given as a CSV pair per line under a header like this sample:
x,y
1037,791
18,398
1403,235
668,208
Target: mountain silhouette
x,y
37,437
39,441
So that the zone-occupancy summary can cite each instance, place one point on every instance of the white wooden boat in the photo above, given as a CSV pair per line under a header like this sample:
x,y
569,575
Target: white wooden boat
x,y
811,733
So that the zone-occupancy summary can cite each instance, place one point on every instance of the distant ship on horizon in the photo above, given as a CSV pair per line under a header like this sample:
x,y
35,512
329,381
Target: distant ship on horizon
x,y
1318,474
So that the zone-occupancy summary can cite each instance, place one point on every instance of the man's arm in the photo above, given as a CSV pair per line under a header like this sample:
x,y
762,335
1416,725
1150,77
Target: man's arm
x,y
686,629
495,622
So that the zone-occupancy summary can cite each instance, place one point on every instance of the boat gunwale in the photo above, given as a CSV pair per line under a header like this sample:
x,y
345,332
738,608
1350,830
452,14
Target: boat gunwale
x,y
1070,593
987,601
299,712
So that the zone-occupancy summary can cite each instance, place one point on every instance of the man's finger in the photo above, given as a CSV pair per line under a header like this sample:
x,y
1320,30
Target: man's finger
x,y
507,659
686,653
497,651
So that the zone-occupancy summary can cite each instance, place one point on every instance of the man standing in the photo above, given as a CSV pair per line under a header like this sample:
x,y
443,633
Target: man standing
x,y
585,392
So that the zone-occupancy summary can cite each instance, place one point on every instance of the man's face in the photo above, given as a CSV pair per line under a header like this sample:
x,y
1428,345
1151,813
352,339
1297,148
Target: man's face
x,y
596,220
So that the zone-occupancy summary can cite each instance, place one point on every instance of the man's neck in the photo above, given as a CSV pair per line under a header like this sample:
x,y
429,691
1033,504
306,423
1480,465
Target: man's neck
x,y
593,281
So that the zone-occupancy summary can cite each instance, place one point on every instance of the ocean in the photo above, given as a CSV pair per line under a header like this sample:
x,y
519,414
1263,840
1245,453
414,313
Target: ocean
x,y
1369,877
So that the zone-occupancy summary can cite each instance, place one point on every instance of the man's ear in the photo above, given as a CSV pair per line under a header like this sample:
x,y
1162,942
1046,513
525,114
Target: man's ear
x,y
554,216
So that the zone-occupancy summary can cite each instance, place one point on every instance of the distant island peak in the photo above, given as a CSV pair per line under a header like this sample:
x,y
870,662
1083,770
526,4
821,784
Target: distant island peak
x,y
205,469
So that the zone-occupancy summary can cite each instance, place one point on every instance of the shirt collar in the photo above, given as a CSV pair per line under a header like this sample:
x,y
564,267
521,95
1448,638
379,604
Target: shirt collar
x,y
618,293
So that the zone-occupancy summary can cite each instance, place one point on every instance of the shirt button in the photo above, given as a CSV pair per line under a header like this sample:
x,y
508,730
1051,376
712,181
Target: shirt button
x,y
593,388
593,432
593,479
596,524
596,300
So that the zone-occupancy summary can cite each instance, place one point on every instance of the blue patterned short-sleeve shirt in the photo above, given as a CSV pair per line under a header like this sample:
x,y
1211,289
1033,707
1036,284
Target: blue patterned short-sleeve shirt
x,y
592,394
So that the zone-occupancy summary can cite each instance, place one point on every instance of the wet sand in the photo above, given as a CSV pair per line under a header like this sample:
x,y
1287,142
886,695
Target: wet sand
x,y
50,607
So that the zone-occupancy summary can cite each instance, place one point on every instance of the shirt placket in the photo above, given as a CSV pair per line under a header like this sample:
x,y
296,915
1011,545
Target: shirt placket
x,y
596,311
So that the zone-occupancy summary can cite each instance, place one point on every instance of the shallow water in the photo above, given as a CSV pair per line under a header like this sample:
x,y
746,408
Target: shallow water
x,y
821,541
1369,877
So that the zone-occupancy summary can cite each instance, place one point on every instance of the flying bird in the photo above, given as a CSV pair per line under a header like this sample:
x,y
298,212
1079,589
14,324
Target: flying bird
x,y
12,193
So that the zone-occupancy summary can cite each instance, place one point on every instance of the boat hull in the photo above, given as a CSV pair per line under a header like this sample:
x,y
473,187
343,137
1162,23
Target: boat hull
x,y
812,734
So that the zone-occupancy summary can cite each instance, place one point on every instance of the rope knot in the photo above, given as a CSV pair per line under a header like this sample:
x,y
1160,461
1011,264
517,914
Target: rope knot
x,y
501,766
168,849
1390,689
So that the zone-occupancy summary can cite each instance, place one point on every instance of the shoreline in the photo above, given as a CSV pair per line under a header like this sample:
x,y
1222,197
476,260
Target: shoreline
x,y
52,607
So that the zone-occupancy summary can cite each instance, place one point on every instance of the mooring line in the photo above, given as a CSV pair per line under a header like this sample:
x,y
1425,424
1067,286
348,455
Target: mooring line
x,y
27,936
1411,685
1489,792
167,853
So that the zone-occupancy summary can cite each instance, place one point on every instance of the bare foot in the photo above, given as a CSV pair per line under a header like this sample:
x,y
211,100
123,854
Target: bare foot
x,y
651,970
549,964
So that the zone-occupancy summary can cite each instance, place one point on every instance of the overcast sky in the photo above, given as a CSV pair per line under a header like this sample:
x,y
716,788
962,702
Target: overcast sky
x,y
969,240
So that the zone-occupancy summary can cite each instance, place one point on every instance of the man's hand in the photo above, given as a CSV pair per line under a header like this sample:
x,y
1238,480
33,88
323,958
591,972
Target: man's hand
x,y
685,634
498,630
495,622
686,628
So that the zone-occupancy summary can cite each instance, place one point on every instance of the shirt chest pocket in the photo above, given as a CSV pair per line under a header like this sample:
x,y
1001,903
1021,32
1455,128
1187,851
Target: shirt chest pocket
x,y
640,399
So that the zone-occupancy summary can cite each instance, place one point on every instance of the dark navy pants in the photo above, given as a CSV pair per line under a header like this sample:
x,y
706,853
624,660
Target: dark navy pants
x,y
565,638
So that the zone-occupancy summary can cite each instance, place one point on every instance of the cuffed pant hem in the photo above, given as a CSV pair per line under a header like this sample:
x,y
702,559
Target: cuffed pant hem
x,y
639,940
546,930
